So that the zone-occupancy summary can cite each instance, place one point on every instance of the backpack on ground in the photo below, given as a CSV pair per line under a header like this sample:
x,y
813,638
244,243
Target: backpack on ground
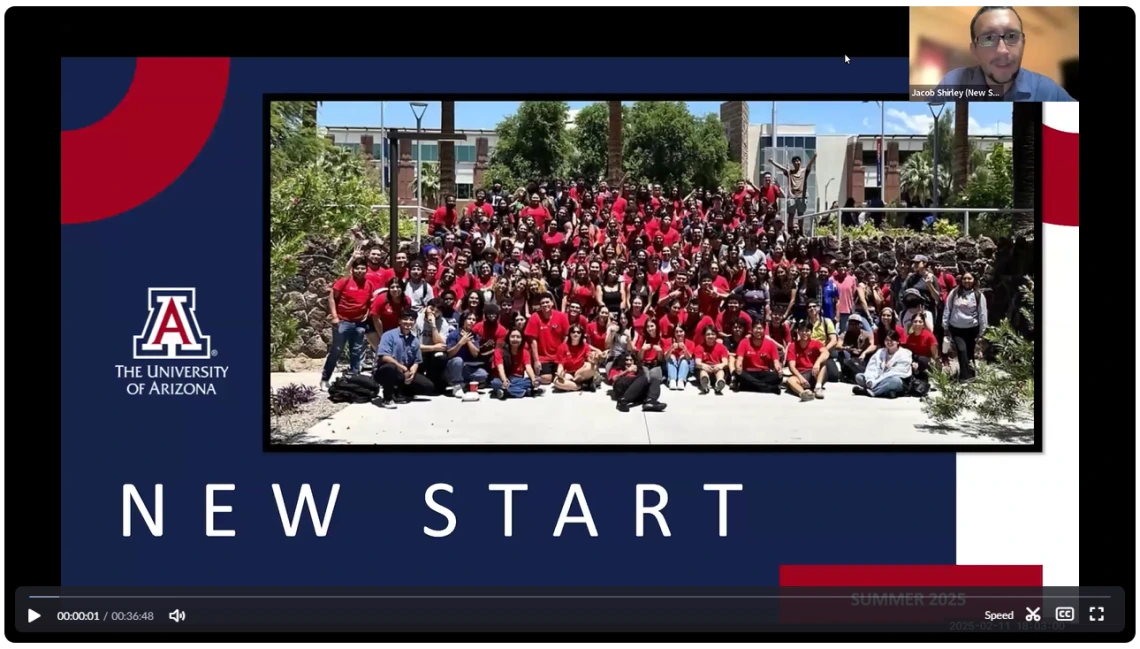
x,y
358,388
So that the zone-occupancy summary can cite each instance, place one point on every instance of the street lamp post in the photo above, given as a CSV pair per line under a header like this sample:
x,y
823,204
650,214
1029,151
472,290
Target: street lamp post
x,y
936,108
882,146
418,109
881,163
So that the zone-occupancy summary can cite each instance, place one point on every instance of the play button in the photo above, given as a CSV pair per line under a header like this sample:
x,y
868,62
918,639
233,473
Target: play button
x,y
32,615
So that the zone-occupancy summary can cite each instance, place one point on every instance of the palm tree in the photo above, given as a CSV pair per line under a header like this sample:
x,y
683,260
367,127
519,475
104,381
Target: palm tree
x,y
916,177
614,142
961,148
431,184
1025,121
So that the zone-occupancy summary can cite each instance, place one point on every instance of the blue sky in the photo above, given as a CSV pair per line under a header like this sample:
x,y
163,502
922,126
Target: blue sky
x,y
844,117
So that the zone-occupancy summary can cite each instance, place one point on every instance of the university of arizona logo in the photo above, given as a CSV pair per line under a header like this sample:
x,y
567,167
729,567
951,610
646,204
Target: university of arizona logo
x,y
172,330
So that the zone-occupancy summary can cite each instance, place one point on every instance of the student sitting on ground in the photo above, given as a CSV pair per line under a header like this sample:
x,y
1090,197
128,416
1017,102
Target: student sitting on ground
x,y
514,372
807,359
678,359
463,363
398,372
848,353
757,366
922,345
575,372
713,361
887,370
824,332
634,385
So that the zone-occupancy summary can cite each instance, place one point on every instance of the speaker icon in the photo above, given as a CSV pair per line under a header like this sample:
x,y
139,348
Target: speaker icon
x,y
177,615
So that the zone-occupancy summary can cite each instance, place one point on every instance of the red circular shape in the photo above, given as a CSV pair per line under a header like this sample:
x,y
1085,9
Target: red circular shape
x,y
1060,177
146,142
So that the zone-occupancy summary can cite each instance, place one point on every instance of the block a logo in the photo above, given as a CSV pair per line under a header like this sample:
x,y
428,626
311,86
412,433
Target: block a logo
x,y
172,331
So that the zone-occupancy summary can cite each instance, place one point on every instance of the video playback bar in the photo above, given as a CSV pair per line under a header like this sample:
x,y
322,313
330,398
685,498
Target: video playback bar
x,y
990,610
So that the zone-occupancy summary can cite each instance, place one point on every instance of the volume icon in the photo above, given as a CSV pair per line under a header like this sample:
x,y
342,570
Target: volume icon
x,y
177,615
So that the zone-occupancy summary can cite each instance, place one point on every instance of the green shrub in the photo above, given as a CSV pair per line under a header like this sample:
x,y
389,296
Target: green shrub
x,y
1003,390
946,228
317,191
861,232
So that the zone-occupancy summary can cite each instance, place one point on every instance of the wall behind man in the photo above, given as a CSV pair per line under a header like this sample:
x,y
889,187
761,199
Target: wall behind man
x,y
1052,35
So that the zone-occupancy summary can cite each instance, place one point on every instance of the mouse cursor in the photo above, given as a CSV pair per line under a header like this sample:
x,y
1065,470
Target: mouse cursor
x,y
847,60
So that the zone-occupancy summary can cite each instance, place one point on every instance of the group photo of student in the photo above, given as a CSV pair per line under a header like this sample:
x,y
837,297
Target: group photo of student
x,y
631,290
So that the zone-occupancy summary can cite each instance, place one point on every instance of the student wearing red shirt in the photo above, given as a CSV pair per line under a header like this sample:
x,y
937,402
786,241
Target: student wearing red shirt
x,y
671,320
770,191
678,289
447,283
712,360
348,310
445,217
654,277
545,332
377,274
463,279
732,312
575,372
480,207
598,336
714,289
581,290
387,307
486,279
758,367
399,269
512,369
888,321
946,283
923,345
574,315
536,211
807,359
695,322
649,345
745,191
553,237
781,333
672,236
678,360
637,315
490,331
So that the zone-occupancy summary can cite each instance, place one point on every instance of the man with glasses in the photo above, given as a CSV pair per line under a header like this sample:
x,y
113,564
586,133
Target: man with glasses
x,y
998,43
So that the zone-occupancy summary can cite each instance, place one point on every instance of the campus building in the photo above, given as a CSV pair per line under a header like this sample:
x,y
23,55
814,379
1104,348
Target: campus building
x,y
846,165
471,157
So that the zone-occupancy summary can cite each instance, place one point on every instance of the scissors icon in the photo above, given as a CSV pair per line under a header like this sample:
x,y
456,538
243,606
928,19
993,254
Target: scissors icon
x,y
1034,614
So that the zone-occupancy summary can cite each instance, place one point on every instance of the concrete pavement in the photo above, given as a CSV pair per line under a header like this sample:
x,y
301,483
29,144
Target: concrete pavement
x,y
583,418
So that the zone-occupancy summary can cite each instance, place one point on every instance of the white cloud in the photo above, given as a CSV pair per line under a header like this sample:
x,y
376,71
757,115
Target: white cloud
x,y
997,128
906,123
866,122
828,128
899,121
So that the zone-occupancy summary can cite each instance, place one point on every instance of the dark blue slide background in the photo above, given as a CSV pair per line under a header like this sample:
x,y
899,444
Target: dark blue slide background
x,y
206,230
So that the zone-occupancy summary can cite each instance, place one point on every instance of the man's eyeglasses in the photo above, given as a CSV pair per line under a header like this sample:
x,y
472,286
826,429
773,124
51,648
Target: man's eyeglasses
x,y
991,40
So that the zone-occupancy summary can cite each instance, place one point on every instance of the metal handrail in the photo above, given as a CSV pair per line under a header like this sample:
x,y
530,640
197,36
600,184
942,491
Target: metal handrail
x,y
967,211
